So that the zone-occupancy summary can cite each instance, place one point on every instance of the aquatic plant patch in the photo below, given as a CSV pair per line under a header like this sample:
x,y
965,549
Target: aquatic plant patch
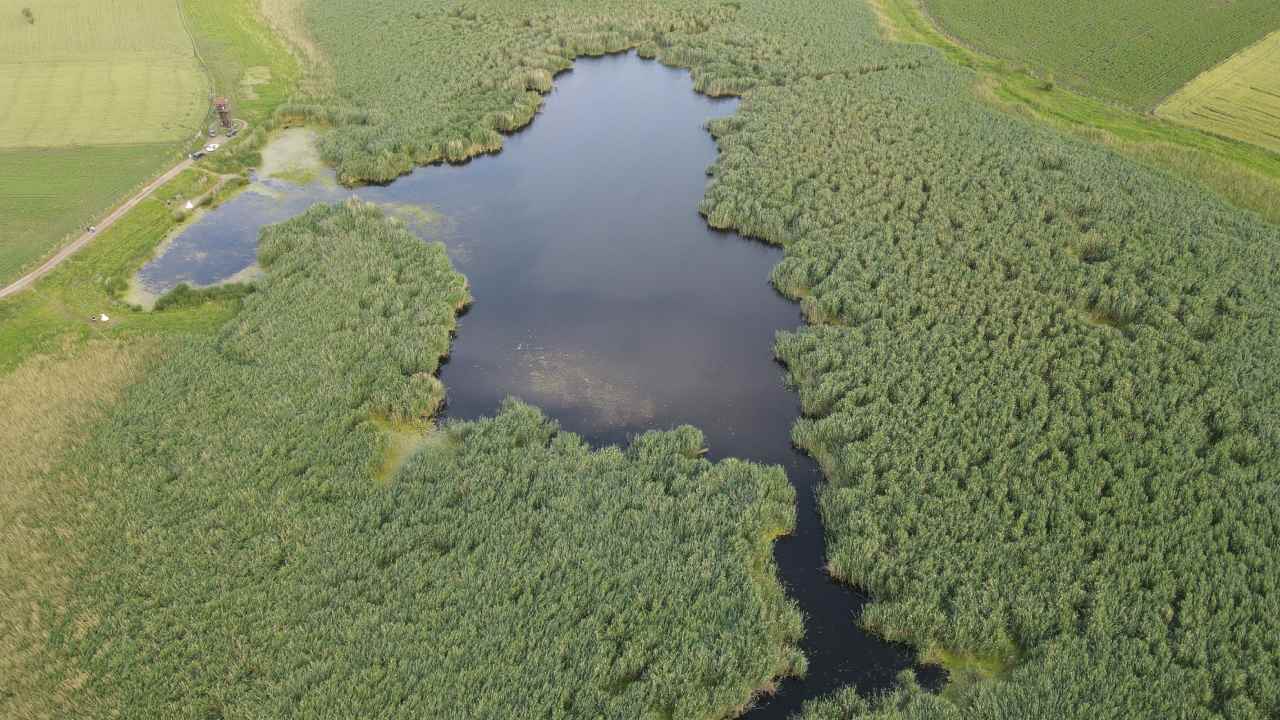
x,y
1042,379
243,558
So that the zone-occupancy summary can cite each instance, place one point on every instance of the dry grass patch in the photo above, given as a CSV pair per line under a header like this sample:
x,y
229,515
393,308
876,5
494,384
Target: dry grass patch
x,y
49,403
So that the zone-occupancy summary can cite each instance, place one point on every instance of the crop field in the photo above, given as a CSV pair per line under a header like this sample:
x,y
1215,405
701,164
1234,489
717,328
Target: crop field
x,y
1239,99
100,73
55,192
1133,52
236,505
1043,380
94,98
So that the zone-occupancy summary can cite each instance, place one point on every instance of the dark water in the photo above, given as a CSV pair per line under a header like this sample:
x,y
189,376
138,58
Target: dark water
x,y
602,297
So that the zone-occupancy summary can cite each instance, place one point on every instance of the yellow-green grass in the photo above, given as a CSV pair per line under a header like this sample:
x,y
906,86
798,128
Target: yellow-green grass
x,y
1133,52
1239,99
47,194
965,669
1244,174
97,73
63,104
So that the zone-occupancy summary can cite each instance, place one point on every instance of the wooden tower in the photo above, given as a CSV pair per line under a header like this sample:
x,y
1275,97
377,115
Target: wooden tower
x,y
223,106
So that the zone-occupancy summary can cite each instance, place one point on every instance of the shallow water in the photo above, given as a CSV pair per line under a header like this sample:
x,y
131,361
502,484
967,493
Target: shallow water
x,y
602,297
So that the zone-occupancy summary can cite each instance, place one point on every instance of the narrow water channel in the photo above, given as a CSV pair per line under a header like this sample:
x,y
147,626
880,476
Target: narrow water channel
x,y
602,297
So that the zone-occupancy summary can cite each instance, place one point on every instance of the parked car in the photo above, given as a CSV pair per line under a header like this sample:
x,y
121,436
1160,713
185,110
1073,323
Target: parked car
x,y
211,147
233,132
197,155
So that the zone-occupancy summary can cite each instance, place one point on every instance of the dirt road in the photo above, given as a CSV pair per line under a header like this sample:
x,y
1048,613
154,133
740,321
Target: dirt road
x,y
30,278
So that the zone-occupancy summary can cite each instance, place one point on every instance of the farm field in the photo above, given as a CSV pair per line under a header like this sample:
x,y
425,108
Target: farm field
x,y
1132,52
1239,99
50,193
101,73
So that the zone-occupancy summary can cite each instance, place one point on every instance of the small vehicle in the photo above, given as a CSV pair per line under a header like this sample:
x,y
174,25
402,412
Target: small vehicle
x,y
211,147
233,132
197,155
213,132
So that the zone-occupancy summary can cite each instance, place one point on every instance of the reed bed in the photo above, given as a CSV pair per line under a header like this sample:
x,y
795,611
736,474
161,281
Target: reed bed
x,y
238,554
1042,379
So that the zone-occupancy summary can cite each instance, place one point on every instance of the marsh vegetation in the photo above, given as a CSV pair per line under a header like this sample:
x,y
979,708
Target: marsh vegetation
x,y
1042,382
1029,358
242,544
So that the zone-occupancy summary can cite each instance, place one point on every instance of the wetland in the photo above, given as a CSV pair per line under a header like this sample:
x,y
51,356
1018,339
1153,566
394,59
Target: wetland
x,y
602,297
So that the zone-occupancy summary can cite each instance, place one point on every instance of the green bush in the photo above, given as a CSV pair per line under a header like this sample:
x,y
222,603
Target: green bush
x,y
185,296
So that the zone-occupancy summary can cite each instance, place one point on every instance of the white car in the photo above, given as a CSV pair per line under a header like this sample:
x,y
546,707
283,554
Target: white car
x,y
211,147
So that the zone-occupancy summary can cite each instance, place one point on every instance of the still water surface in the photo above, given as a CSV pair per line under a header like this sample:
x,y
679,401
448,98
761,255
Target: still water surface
x,y
602,297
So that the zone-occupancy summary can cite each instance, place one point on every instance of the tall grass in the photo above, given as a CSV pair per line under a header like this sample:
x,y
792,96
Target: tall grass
x,y
241,557
1021,345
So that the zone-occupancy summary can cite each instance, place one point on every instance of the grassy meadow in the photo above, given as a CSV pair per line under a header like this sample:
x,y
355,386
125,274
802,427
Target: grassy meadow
x,y
250,65
1042,378
237,554
1132,52
1239,98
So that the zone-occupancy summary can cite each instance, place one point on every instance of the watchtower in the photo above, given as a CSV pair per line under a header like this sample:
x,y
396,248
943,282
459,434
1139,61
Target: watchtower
x,y
223,106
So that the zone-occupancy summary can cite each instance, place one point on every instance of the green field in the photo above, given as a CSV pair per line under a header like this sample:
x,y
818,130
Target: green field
x,y
1239,99
1133,52
55,192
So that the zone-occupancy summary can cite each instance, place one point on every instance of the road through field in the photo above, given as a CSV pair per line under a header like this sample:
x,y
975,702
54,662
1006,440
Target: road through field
x,y
27,280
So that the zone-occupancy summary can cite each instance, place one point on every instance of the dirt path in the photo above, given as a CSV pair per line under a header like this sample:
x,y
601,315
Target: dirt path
x,y
30,278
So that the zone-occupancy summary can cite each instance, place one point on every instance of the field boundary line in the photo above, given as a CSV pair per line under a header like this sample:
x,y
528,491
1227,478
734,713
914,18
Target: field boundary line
x,y
195,49
1188,86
